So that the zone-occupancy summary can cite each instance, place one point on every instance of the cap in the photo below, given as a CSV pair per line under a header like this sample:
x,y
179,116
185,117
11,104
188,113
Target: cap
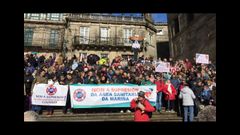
x,y
141,94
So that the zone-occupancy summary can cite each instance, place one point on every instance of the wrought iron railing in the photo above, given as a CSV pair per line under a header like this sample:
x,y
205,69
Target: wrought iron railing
x,y
113,41
107,17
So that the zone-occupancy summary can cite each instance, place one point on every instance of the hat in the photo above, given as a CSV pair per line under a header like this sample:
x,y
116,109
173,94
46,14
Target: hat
x,y
141,94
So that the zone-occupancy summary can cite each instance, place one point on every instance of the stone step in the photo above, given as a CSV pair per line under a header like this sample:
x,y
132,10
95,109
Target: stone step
x,y
111,120
58,116
107,118
59,113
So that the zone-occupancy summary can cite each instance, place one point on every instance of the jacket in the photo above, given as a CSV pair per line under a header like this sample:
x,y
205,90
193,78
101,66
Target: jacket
x,y
187,95
175,83
170,96
140,116
39,79
206,94
160,85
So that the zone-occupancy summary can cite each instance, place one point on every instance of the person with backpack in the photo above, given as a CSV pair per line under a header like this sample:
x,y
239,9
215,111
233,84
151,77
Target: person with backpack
x,y
142,108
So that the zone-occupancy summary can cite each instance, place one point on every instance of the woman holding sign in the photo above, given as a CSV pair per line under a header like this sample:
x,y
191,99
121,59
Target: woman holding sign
x,y
39,79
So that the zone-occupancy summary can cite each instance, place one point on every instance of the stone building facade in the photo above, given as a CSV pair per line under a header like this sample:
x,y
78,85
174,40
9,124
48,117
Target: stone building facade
x,y
162,40
102,34
192,33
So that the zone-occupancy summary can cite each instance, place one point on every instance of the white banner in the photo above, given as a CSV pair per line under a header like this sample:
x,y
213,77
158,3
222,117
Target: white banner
x,y
49,95
202,58
162,67
108,95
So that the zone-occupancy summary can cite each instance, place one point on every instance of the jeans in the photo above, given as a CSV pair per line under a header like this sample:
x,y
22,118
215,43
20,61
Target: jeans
x,y
188,110
50,108
159,101
170,105
36,108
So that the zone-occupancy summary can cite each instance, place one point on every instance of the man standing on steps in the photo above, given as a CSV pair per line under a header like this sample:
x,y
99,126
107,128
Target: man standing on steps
x,y
142,108
188,96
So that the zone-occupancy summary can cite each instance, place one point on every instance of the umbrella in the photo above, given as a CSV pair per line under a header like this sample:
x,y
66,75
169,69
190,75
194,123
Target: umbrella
x,y
92,58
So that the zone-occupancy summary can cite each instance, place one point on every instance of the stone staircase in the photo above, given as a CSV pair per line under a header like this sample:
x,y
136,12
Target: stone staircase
x,y
58,116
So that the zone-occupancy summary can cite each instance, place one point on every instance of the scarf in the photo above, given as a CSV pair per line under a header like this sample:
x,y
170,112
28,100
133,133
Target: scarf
x,y
169,88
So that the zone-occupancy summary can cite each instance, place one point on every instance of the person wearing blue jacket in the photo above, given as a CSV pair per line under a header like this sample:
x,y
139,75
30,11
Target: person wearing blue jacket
x,y
205,95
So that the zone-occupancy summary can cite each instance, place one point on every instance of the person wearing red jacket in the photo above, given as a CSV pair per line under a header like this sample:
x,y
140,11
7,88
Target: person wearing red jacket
x,y
170,93
188,64
160,87
142,108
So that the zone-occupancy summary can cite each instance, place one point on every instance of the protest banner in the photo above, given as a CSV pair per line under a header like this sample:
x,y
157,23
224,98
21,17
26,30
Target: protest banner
x,y
49,95
108,95
162,67
202,58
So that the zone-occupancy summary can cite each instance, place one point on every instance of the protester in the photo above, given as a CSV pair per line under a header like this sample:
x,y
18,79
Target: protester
x,y
170,93
69,70
39,79
28,79
188,96
205,95
142,108
160,87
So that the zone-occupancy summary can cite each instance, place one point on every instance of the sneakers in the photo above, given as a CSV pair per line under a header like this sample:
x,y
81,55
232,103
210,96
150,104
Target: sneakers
x,y
121,111
128,111
172,111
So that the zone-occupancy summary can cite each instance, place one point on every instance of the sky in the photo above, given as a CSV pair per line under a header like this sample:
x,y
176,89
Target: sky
x,y
157,17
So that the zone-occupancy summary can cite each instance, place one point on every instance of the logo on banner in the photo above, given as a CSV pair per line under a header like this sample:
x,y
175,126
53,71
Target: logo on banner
x,y
51,90
79,95
148,93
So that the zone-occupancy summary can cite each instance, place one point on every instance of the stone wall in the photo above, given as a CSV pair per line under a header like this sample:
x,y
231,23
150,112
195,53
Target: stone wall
x,y
197,36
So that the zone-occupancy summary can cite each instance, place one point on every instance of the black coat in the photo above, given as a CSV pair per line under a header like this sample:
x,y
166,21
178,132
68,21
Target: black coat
x,y
91,80
28,79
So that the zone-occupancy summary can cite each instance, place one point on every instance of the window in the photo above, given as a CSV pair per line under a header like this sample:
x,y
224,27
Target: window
x,y
54,17
27,15
35,16
104,34
84,35
53,41
104,55
28,36
43,16
176,25
160,32
127,34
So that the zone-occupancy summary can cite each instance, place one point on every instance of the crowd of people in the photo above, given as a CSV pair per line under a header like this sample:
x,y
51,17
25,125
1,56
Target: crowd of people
x,y
200,78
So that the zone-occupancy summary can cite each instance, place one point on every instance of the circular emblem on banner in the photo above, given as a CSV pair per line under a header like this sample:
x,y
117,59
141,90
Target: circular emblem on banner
x,y
79,95
51,90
